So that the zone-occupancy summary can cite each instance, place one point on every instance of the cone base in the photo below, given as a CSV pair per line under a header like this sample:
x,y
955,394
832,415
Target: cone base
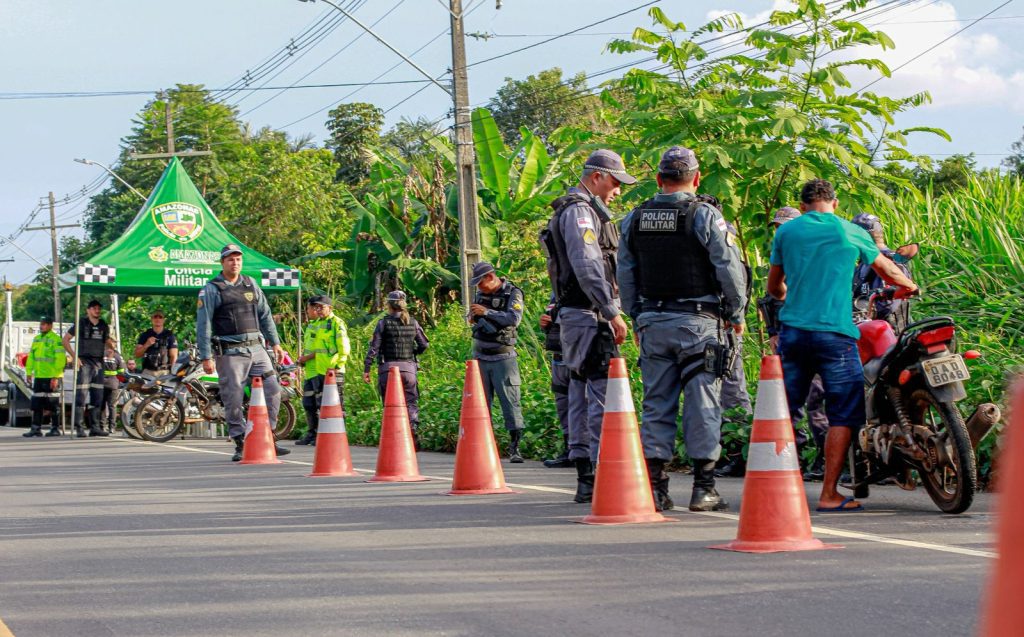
x,y
640,518
332,474
274,461
776,546
398,479
501,491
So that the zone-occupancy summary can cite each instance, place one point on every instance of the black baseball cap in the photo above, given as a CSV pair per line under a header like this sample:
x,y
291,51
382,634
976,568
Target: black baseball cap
x,y
229,249
481,270
157,312
608,161
46,318
94,303
320,299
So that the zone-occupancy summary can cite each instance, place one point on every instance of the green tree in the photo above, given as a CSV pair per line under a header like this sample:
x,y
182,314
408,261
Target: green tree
x,y
1015,162
542,103
411,139
354,130
951,174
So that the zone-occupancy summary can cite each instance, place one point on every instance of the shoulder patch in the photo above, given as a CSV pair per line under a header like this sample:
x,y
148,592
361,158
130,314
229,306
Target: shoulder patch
x,y
722,225
202,292
589,237
199,303
584,221
517,306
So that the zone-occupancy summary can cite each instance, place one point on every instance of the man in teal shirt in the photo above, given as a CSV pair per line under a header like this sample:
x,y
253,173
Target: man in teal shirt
x,y
812,263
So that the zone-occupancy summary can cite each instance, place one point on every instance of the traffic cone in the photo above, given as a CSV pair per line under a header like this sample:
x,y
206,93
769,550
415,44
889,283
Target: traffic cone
x,y
1004,614
773,513
332,456
396,459
477,465
259,440
622,487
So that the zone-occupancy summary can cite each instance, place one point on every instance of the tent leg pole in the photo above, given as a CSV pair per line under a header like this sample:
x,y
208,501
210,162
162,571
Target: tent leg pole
x,y
298,321
115,308
74,362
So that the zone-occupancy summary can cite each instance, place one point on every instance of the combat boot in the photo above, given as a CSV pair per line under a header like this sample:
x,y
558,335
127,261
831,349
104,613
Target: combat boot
x,y
659,484
97,431
308,438
562,461
79,432
36,431
239,444
514,436
584,481
54,431
281,451
705,497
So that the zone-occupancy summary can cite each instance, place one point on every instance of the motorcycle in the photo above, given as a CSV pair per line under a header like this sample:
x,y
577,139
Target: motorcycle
x,y
190,395
913,382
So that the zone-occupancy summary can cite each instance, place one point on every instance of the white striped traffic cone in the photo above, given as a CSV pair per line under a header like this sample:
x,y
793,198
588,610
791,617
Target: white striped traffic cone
x,y
332,456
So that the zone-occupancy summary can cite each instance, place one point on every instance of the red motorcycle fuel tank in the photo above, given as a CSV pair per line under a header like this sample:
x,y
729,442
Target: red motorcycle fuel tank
x,y
876,337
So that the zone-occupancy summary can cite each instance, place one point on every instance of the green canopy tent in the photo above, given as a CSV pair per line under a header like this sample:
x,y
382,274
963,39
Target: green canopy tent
x,y
172,247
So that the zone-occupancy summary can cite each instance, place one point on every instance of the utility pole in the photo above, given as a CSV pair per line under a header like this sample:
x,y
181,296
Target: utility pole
x,y
53,227
465,156
169,125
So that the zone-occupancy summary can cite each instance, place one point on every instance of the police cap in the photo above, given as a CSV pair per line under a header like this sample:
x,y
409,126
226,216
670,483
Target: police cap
x,y
396,295
229,249
608,161
320,299
676,161
481,270
46,318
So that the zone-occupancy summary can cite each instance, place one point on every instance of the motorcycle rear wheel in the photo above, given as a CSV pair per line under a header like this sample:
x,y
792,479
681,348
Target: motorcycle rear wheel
x,y
951,485
285,420
128,417
159,418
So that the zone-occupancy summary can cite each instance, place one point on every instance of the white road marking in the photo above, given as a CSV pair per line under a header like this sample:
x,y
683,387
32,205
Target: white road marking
x,y
821,530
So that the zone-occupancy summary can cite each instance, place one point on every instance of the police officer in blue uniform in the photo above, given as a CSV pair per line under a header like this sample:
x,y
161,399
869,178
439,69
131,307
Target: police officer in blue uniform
x,y
232,320
495,314
581,244
866,280
682,282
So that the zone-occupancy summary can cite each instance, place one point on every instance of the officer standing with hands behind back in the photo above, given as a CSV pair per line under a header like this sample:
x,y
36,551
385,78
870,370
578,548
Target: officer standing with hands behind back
x,y
681,278
581,244
495,314
232,316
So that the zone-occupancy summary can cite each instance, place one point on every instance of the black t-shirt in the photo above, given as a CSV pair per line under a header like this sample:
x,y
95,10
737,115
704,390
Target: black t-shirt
x,y
157,356
93,343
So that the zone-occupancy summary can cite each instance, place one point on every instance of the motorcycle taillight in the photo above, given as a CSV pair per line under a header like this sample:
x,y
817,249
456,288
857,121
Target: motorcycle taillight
x,y
936,336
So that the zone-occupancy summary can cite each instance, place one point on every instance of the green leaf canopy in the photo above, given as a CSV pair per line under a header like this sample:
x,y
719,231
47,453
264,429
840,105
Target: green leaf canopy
x,y
173,247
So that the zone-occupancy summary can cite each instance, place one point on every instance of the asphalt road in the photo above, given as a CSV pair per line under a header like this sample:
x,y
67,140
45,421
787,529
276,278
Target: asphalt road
x,y
117,537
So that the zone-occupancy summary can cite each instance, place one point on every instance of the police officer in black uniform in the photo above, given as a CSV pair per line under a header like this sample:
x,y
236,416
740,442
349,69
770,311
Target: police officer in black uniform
x,y
92,341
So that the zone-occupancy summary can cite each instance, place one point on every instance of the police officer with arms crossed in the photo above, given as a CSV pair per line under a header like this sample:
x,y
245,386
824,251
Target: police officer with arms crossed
x,y
326,347
93,341
495,314
581,244
157,346
45,368
232,314
681,277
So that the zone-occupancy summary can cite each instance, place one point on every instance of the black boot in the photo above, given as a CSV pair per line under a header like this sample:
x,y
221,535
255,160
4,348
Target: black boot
x,y
239,443
36,431
97,431
731,467
704,497
309,438
584,480
561,461
79,432
54,431
281,451
659,484
514,436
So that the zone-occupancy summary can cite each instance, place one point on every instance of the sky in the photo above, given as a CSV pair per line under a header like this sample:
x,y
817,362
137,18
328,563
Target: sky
x,y
976,78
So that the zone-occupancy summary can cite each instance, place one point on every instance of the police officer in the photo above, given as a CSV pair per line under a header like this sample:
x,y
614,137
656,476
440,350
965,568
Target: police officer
x,y
326,347
113,367
91,343
157,346
581,244
396,342
495,314
45,369
231,317
681,278
867,281
559,384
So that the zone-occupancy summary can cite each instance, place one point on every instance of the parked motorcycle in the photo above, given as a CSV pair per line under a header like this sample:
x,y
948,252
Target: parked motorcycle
x,y
913,382
190,395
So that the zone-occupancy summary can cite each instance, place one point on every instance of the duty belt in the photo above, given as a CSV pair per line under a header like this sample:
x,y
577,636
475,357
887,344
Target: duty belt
x,y
491,351
701,308
220,346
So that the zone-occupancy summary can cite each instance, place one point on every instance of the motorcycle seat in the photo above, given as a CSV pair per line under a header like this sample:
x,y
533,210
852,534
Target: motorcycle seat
x,y
874,367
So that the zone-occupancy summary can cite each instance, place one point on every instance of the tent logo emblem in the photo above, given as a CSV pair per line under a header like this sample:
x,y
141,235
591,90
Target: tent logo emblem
x,y
180,221
158,254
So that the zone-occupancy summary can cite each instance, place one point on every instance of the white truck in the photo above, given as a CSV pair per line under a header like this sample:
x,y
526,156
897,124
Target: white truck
x,y
15,392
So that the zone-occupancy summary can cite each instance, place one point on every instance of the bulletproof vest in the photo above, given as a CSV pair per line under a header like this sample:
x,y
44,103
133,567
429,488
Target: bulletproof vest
x,y
568,292
486,331
92,339
236,313
398,340
671,262
157,356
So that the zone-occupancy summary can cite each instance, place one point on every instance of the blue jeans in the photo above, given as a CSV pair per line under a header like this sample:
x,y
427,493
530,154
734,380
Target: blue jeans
x,y
834,357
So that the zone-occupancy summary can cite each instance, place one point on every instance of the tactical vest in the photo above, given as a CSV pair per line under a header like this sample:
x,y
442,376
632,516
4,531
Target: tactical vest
x,y
568,292
92,339
157,356
671,262
398,340
236,313
490,338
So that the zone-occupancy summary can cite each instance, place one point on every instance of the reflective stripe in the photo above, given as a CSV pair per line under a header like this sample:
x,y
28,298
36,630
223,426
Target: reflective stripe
x,y
617,396
771,401
331,426
764,456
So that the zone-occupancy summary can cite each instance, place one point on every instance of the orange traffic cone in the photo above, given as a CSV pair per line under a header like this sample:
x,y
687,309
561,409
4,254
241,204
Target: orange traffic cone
x,y
259,440
622,488
1004,614
332,456
396,459
773,514
477,466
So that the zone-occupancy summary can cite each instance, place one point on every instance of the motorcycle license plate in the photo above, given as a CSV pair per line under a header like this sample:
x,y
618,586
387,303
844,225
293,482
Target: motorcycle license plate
x,y
945,370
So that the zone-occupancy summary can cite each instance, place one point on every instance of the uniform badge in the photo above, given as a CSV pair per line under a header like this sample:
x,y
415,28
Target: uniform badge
x,y
589,237
730,239
495,302
517,307
584,222
200,303
249,296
